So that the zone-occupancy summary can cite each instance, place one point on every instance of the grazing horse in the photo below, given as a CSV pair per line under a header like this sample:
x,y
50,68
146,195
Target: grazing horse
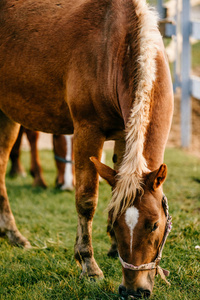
x,y
95,68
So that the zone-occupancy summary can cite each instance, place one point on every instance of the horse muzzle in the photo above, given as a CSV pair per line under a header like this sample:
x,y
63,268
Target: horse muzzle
x,y
131,294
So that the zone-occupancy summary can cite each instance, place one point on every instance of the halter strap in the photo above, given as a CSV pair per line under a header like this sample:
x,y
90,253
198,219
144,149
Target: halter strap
x,y
58,158
155,264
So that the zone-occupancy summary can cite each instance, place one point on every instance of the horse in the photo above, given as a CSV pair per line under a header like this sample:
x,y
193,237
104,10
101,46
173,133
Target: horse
x,y
96,69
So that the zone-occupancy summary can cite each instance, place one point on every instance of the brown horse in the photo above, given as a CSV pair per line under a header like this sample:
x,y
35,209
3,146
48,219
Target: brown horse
x,y
95,68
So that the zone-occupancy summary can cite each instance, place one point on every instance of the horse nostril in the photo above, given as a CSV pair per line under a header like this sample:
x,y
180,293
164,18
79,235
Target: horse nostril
x,y
122,292
144,293
126,294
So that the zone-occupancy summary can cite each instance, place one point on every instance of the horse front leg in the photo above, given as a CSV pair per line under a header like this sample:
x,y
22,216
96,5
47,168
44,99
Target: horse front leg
x,y
9,132
87,142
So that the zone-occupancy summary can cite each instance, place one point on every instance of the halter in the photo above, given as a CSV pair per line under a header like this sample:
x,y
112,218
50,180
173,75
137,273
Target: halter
x,y
155,264
58,158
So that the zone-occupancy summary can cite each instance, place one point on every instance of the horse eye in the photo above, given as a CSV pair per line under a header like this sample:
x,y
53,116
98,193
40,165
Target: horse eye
x,y
155,226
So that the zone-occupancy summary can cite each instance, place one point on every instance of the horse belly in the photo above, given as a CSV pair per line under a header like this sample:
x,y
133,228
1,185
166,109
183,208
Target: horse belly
x,y
47,115
34,101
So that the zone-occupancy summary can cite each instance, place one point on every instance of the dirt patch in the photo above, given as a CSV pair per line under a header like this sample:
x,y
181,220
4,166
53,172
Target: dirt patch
x,y
175,134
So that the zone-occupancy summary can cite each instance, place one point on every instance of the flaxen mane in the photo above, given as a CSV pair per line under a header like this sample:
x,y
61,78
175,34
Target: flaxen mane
x,y
134,164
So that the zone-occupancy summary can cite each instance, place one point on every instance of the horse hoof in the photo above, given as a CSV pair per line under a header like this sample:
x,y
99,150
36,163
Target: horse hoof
x,y
94,277
39,182
93,272
67,188
17,173
15,238
27,245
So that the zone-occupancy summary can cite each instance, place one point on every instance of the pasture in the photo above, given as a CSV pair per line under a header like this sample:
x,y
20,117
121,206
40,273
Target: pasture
x,y
48,219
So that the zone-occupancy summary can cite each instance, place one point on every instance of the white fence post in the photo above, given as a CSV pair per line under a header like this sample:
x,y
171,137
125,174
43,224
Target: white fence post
x,y
185,76
160,9
182,29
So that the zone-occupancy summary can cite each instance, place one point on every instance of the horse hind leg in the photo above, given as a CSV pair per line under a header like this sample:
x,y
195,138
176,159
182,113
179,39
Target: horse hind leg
x,y
36,170
9,132
69,168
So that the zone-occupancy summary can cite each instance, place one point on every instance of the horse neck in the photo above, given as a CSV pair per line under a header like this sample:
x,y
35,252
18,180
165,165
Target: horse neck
x,y
160,115
140,69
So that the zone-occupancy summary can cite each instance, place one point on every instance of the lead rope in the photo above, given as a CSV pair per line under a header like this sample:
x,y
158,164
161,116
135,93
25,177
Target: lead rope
x,y
163,273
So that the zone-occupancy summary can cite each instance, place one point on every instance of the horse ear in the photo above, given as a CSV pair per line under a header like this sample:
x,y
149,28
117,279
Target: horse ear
x,y
104,171
158,177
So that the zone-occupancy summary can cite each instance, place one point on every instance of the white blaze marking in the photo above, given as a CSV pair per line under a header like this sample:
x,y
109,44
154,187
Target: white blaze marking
x,y
68,176
131,218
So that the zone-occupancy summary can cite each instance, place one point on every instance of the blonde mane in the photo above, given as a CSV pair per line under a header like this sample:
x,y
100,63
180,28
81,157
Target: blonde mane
x,y
134,163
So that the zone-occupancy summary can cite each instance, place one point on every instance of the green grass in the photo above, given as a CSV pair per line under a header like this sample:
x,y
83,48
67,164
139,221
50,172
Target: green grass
x,y
48,219
195,55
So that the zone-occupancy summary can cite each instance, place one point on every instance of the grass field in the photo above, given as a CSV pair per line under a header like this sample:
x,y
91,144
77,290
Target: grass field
x,y
48,219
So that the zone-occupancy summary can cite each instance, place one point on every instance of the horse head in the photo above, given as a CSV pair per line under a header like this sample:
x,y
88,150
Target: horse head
x,y
141,231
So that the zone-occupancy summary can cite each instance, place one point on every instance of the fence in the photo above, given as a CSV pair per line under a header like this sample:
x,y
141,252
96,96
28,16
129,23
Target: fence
x,y
182,25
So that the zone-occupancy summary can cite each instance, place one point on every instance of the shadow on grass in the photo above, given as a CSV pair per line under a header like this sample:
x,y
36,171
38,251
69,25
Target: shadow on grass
x,y
196,179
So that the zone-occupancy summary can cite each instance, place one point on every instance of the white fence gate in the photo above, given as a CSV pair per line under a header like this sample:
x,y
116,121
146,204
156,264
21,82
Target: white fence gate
x,y
182,25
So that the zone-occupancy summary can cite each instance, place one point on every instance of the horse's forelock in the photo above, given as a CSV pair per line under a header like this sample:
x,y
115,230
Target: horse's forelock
x,y
134,163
